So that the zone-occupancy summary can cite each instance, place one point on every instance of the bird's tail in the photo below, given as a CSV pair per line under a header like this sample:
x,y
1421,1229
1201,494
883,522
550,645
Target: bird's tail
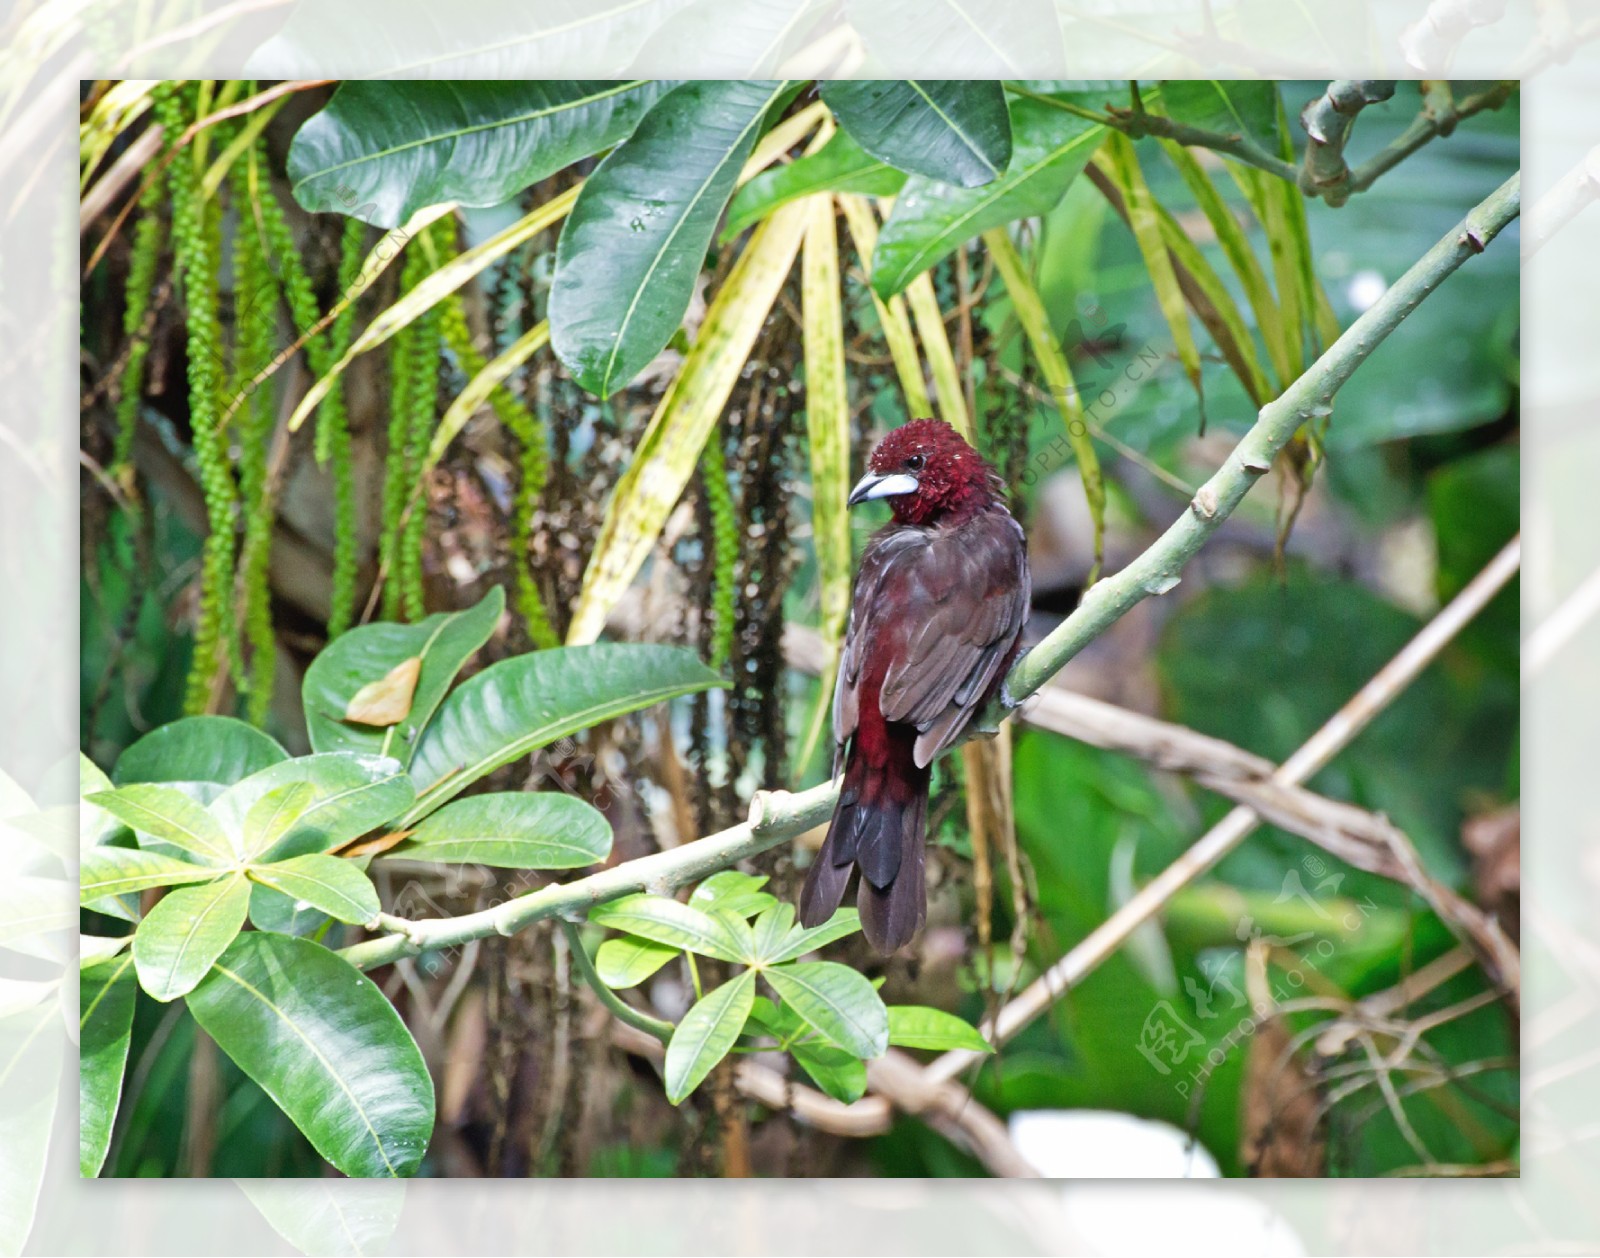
x,y
879,828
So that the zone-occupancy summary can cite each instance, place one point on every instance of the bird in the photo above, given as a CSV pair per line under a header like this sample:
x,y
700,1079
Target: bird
x,y
936,619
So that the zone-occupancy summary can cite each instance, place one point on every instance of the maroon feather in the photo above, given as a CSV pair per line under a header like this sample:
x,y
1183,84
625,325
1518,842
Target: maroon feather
x,y
936,620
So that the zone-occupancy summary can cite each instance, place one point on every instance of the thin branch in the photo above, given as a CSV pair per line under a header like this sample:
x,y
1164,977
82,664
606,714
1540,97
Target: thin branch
x,y
1137,123
657,1027
1328,120
1227,834
1439,115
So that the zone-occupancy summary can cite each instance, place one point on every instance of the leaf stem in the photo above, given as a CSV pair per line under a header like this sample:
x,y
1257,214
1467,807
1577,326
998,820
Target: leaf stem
x,y
636,1018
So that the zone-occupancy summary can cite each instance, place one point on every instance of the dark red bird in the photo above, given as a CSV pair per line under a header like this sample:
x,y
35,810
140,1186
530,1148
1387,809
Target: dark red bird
x,y
937,618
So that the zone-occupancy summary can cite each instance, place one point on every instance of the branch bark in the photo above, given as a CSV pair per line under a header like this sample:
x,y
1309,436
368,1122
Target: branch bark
x,y
1328,121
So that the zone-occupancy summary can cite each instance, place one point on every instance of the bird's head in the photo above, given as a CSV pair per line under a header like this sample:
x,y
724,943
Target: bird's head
x,y
927,472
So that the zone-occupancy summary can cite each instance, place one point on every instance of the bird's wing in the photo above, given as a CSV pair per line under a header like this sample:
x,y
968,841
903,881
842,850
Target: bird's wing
x,y
889,548
963,601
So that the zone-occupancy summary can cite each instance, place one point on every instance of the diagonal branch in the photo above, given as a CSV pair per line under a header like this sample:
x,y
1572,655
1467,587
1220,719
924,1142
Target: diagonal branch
x,y
1228,833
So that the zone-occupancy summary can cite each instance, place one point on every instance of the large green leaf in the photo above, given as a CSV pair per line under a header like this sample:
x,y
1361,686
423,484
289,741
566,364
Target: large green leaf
x,y
706,1034
1243,107
627,962
634,243
931,219
443,642
105,1017
519,705
841,165
183,934
170,816
669,922
839,1074
918,1026
118,870
274,815
351,795
324,1043
799,942
733,891
952,130
329,884
383,150
198,749
838,1001
513,830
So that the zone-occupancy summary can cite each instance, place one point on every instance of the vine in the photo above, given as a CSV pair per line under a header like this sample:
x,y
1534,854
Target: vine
x,y
194,235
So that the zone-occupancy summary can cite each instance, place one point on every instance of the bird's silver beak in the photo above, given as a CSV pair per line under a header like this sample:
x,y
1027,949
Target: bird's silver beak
x,y
891,486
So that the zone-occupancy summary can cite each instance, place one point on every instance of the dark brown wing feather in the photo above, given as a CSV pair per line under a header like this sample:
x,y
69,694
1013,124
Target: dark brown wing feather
x,y
959,597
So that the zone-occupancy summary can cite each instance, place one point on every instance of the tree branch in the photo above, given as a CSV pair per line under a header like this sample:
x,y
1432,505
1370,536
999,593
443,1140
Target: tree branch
x,y
1327,121
1439,115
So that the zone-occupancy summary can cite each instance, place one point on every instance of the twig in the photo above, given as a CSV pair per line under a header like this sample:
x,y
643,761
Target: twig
x,y
1439,116
657,1027
1327,121
1227,834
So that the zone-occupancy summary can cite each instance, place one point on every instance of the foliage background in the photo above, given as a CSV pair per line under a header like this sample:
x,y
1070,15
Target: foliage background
x,y
1419,488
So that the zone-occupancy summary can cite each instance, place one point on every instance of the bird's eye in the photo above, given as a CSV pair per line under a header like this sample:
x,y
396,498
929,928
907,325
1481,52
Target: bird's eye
x,y
915,462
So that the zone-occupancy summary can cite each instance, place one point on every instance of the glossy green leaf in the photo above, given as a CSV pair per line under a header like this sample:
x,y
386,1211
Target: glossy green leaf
x,y
274,815
771,929
732,891
95,824
443,642
185,932
106,994
198,749
841,165
326,1046
513,830
798,943
952,130
1246,107
633,246
521,704
285,915
671,923
918,1026
381,150
932,219
351,795
627,962
838,1001
706,1034
329,884
118,870
838,1073
171,817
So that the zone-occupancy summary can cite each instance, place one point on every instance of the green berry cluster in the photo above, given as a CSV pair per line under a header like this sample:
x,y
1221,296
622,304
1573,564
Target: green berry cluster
x,y
724,548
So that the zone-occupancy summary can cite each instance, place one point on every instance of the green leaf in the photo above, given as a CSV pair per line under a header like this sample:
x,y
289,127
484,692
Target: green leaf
x,y
843,922
282,914
770,931
633,246
351,795
184,933
118,870
952,130
836,1000
668,922
627,962
170,816
198,749
1247,107
519,705
841,165
706,1034
381,150
444,642
330,884
106,995
731,891
274,815
933,219
326,1046
513,830
836,1072
95,825
918,1026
